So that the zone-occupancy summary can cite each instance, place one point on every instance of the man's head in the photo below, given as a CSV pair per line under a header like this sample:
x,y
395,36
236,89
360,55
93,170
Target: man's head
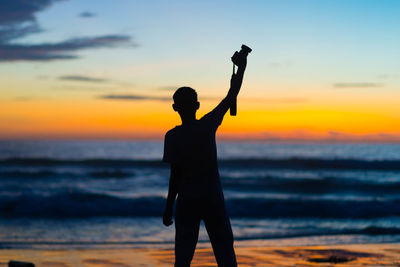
x,y
185,101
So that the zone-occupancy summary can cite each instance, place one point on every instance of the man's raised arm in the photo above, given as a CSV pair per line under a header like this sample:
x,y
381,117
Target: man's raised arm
x,y
236,83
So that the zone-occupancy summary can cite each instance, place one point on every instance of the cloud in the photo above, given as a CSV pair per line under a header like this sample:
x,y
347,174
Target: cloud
x,y
306,135
384,137
87,14
334,133
358,85
81,78
383,76
133,97
17,20
167,88
387,76
278,100
9,33
81,88
17,11
23,98
60,50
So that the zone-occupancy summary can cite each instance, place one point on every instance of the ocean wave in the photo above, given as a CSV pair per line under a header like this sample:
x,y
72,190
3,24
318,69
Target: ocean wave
x,y
27,174
377,230
111,174
292,163
91,163
321,185
79,204
84,204
45,174
318,208
369,231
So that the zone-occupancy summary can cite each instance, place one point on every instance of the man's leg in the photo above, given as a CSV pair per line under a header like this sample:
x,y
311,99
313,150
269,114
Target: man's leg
x,y
220,232
187,223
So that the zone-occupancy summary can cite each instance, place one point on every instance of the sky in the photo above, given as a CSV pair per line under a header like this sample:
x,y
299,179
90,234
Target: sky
x,y
319,70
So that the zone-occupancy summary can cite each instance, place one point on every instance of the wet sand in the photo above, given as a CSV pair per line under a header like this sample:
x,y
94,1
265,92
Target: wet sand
x,y
335,255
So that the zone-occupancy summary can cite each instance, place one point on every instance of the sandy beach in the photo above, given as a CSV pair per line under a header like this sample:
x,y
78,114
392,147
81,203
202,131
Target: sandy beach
x,y
335,255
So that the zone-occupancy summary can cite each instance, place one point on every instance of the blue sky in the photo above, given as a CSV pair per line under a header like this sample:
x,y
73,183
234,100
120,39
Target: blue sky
x,y
327,40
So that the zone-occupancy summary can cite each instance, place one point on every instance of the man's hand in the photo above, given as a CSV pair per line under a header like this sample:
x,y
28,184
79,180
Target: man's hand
x,y
167,217
239,60
242,62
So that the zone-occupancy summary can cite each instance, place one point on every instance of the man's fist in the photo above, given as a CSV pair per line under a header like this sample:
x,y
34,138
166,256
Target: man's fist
x,y
239,59
167,218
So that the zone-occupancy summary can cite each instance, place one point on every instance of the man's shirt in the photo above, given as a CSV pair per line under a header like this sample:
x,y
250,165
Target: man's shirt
x,y
193,148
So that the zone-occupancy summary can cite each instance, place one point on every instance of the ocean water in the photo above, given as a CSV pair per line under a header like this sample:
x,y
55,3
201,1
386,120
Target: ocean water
x,y
64,194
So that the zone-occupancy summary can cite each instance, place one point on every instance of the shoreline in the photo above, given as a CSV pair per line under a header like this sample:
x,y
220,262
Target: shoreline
x,y
387,254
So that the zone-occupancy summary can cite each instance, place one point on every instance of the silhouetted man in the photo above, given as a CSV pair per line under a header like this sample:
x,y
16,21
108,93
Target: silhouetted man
x,y
190,148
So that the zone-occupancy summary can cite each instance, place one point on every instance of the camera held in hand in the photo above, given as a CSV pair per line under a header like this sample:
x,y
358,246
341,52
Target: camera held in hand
x,y
239,58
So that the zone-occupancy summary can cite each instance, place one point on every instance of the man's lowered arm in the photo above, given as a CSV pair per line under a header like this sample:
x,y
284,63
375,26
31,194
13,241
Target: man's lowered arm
x,y
173,190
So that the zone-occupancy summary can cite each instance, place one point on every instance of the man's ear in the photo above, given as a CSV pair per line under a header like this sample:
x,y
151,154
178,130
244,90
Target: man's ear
x,y
174,107
197,105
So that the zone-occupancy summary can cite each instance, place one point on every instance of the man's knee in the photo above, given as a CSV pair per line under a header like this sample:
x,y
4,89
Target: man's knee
x,y
222,237
186,234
